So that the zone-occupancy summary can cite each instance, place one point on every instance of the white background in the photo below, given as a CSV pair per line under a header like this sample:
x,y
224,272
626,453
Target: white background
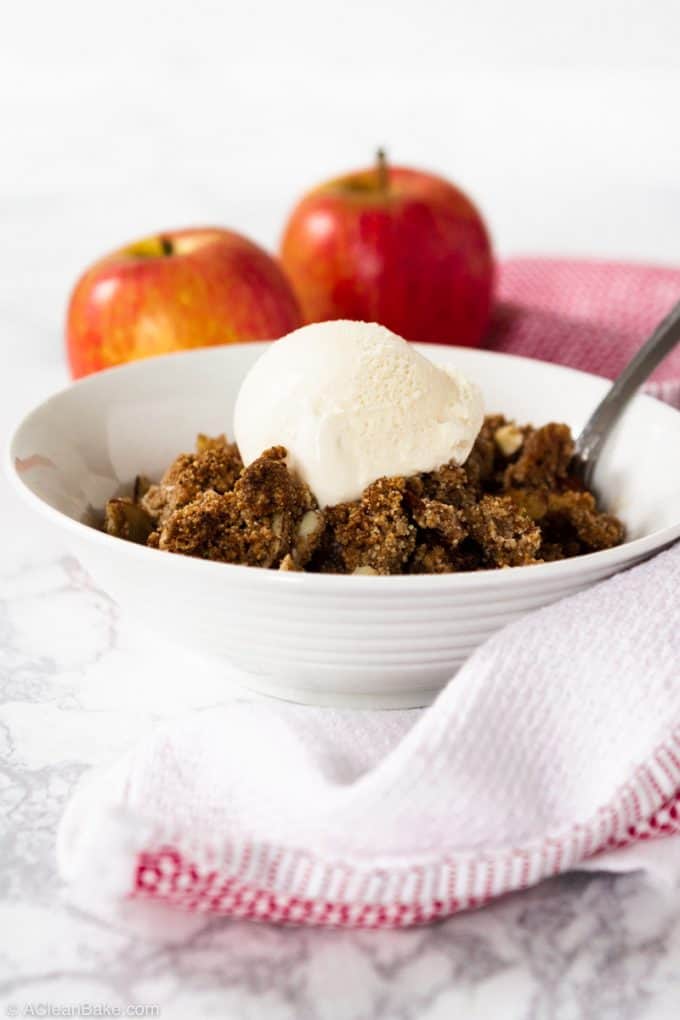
x,y
121,118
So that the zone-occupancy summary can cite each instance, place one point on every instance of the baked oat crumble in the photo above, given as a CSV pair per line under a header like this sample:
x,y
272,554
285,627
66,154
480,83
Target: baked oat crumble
x,y
515,502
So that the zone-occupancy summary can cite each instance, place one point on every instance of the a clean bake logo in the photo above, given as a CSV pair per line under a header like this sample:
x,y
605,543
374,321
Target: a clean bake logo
x,y
82,1009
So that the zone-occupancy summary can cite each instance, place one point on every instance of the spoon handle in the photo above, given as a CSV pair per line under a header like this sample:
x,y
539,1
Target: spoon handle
x,y
607,413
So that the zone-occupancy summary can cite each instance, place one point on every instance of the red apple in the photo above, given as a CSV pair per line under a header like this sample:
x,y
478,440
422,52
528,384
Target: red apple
x,y
181,289
396,246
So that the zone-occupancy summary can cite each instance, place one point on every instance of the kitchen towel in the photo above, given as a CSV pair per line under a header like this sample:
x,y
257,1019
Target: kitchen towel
x,y
556,745
586,314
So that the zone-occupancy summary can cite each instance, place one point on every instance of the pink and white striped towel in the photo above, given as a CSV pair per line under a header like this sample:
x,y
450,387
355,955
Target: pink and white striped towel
x,y
557,745
585,314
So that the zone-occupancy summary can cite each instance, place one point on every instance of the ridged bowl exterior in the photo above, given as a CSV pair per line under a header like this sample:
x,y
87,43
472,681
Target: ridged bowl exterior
x,y
356,641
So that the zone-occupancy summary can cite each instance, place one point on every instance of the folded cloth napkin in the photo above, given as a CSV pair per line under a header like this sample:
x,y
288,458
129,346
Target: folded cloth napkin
x,y
586,314
558,741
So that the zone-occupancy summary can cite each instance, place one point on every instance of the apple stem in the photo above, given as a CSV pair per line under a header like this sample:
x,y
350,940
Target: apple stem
x,y
166,245
382,170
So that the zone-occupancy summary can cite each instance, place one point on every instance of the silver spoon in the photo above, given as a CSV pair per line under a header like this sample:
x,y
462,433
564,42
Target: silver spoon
x,y
597,429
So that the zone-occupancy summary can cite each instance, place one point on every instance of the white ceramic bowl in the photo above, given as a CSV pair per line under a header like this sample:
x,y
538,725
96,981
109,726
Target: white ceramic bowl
x,y
364,641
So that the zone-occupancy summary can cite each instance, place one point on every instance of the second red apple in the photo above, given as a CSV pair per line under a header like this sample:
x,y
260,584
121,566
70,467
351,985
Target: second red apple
x,y
392,245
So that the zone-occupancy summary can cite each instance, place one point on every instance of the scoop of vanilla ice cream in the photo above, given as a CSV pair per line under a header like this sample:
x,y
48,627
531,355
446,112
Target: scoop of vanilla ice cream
x,y
353,402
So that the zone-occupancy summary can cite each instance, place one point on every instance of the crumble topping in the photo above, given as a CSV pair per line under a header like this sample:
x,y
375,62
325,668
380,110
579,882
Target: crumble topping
x,y
374,531
255,522
514,502
215,466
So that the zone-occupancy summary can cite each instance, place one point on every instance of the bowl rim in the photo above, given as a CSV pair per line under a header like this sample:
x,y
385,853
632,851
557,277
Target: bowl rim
x,y
625,553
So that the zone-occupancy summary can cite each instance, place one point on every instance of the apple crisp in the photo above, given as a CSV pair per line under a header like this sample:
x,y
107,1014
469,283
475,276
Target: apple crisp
x,y
516,501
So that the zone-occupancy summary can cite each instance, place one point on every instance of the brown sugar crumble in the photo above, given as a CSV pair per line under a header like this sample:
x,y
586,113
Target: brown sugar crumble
x,y
515,502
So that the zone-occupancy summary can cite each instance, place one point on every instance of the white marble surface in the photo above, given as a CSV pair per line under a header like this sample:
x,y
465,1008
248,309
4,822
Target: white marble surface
x,y
143,116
